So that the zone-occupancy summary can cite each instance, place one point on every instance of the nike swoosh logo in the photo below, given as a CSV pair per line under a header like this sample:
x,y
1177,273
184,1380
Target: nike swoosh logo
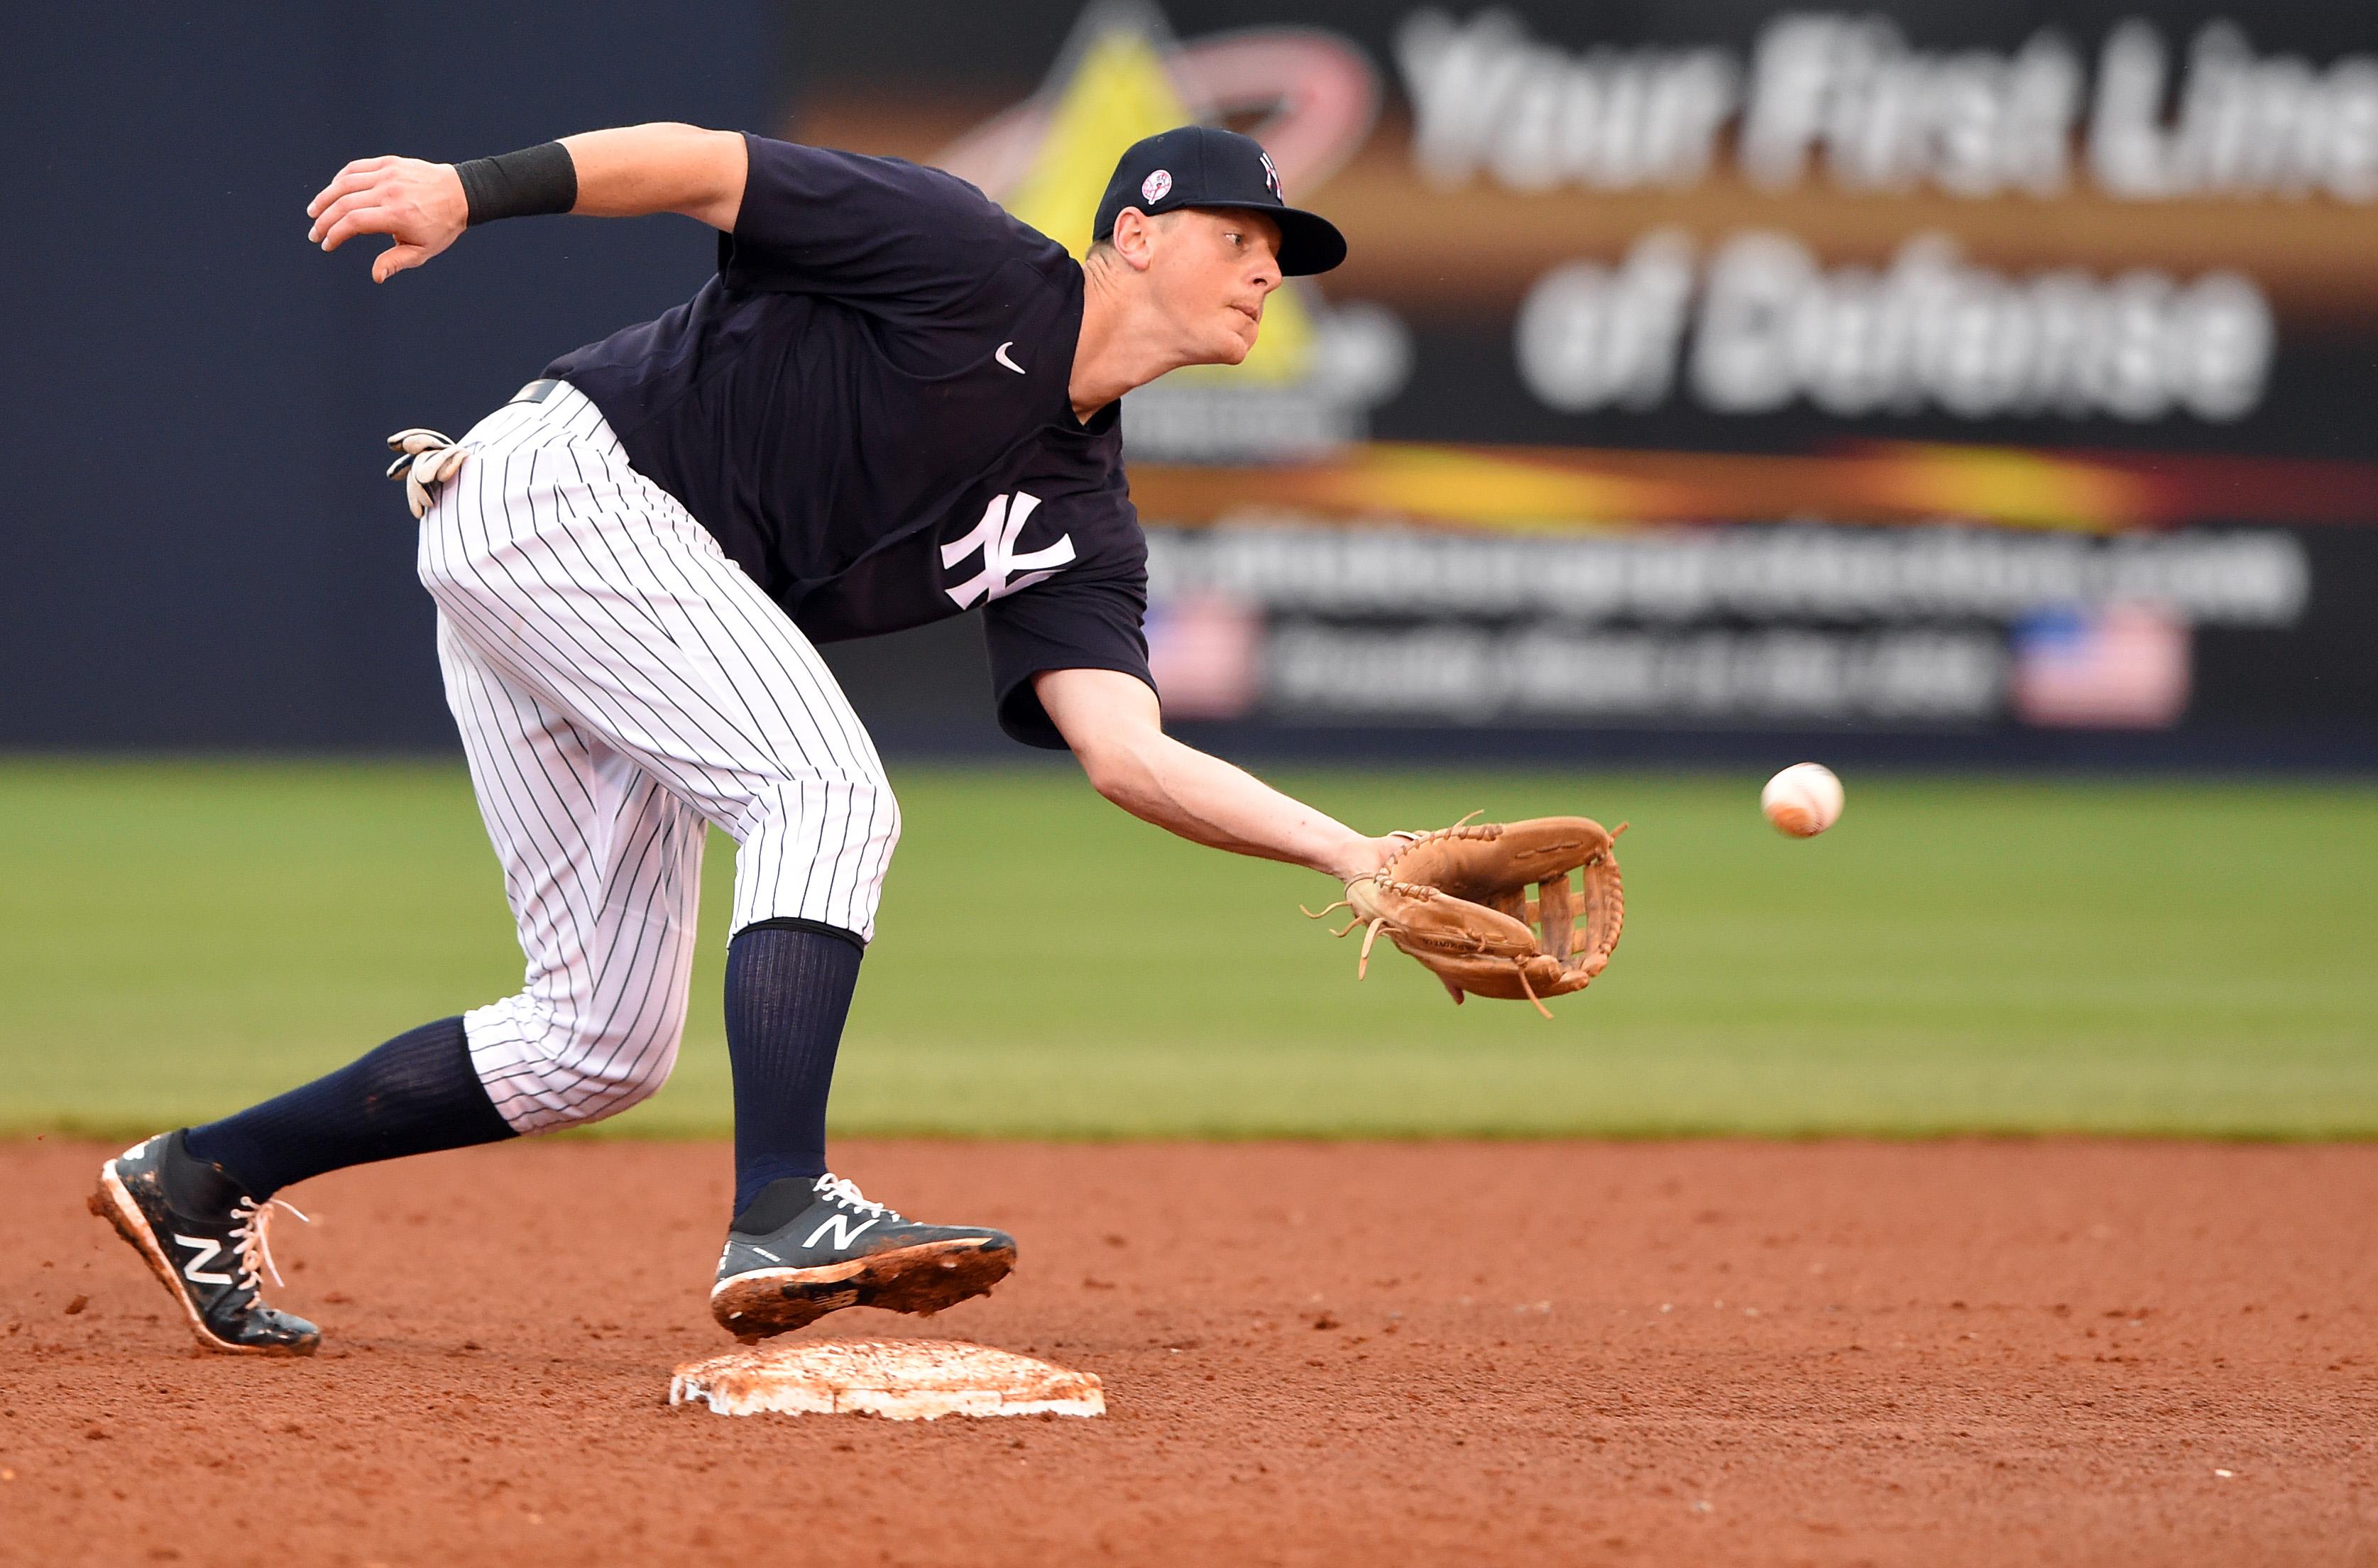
x,y
1000,354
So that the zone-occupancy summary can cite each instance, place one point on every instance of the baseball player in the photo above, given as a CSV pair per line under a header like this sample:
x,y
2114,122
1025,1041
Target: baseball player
x,y
893,403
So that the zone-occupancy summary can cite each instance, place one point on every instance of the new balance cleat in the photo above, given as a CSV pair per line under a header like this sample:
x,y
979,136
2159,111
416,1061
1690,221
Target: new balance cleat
x,y
806,1249
211,1262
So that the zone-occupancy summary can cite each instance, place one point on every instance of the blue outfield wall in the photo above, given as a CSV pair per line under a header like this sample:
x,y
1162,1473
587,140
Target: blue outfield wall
x,y
200,550
202,553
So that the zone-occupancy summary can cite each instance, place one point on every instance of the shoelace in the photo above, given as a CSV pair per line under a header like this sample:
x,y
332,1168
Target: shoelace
x,y
252,1247
842,1190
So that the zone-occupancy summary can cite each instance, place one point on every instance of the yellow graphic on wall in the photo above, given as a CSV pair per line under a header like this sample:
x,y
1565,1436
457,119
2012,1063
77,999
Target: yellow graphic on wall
x,y
1117,92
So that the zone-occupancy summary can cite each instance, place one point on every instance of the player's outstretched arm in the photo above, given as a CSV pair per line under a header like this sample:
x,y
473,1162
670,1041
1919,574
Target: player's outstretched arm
x,y
628,172
1114,724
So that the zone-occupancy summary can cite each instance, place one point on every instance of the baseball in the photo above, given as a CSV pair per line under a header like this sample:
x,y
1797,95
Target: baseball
x,y
1803,800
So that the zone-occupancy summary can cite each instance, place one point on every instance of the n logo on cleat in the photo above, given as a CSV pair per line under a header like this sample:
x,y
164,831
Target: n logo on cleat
x,y
844,1233
205,1253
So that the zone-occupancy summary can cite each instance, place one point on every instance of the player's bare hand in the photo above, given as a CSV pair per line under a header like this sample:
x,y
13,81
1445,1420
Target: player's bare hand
x,y
418,205
1362,857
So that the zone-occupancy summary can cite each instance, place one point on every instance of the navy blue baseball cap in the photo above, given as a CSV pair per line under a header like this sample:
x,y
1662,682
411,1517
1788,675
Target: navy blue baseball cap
x,y
1203,166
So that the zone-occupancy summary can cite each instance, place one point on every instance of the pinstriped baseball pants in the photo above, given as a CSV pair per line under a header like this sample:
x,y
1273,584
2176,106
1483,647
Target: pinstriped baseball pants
x,y
619,684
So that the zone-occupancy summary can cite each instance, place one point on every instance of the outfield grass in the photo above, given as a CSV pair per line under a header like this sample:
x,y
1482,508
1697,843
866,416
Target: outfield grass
x,y
1958,956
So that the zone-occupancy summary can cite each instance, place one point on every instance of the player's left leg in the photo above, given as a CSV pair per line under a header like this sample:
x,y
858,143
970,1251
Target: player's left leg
x,y
582,581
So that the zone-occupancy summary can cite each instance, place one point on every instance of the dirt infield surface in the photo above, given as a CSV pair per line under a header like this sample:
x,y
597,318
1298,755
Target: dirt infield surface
x,y
1704,1353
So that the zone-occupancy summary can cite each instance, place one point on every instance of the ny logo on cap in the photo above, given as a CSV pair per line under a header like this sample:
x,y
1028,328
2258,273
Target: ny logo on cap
x,y
1271,174
1157,187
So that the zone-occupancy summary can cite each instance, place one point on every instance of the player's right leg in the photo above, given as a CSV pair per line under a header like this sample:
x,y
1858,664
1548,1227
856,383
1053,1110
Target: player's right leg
x,y
204,1240
602,868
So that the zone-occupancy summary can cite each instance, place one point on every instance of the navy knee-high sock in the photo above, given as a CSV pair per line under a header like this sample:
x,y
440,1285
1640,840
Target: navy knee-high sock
x,y
788,989
417,1093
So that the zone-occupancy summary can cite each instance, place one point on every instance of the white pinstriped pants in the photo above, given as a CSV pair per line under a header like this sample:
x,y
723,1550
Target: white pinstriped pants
x,y
619,683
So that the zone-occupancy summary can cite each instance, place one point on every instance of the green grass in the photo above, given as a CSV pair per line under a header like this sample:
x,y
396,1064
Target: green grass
x,y
2007,956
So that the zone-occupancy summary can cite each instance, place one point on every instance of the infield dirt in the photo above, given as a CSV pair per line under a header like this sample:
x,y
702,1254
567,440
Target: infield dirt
x,y
1708,1353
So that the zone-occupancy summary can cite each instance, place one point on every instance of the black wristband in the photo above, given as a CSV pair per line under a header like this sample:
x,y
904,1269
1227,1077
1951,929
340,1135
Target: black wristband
x,y
527,184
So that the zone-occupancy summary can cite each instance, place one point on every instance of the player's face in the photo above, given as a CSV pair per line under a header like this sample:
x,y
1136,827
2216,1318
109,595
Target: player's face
x,y
1214,269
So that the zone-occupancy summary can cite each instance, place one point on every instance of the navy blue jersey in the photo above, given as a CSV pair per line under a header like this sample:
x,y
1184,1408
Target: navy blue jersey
x,y
868,407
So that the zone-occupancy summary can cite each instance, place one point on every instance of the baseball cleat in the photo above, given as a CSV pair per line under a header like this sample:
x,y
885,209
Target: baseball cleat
x,y
211,1262
805,1249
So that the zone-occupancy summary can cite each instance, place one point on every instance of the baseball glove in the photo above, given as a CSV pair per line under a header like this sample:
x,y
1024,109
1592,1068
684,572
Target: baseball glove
x,y
1457,900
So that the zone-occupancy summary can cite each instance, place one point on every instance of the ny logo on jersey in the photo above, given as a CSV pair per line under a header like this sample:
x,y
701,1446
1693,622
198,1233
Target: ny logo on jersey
x,y
995,536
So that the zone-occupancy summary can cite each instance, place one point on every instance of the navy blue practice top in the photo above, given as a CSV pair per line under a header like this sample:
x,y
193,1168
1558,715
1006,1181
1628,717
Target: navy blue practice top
x,y
868,407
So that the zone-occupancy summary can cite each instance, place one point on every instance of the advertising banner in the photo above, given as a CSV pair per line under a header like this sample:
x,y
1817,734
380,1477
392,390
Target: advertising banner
x,y
1905,370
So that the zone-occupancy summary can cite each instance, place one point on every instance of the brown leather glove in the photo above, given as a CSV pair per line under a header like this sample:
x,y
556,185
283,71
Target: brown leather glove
x,y
1457,900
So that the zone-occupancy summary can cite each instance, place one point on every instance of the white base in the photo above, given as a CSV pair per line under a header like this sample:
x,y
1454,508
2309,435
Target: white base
x,y
900,1379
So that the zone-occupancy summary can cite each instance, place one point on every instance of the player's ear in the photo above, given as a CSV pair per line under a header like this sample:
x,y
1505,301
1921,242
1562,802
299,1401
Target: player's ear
x,y
1135,238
